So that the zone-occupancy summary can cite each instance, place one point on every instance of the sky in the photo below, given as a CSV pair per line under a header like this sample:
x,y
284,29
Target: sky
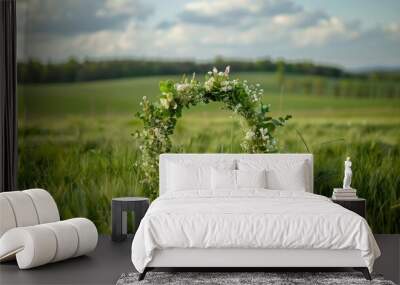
x,y
347,33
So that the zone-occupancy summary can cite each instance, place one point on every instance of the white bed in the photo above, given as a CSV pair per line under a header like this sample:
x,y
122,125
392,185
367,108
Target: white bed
x,y
249,227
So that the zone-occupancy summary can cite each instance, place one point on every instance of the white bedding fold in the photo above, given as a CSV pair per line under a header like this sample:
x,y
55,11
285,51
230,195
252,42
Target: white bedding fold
x,y
250,219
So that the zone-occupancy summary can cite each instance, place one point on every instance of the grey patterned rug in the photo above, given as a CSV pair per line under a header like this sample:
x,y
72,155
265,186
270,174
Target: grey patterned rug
x,y
229,278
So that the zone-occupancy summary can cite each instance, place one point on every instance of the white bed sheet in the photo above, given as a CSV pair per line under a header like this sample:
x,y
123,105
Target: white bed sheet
x,y
252,218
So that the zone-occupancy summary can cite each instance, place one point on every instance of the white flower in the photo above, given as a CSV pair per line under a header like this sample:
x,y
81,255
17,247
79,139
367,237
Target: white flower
x,y
209,84
215,70
182,87
164,102
220,73
227,70
237,107
249,135
263,133
226,88
169,96
244,145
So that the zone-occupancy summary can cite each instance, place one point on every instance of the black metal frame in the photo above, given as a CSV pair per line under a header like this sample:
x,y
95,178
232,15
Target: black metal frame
x,y
143,274
363,270
8,96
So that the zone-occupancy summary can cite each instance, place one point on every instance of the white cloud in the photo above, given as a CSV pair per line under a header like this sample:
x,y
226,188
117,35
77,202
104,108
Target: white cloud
x,y
234,12
107,43
322,33
284,20
136,9
393,30
247,22
217,8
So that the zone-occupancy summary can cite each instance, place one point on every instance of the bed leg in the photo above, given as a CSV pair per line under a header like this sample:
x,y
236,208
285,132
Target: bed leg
x,y
364,271
143,274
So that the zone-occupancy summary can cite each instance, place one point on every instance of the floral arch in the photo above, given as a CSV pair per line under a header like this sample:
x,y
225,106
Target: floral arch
x,y
160,118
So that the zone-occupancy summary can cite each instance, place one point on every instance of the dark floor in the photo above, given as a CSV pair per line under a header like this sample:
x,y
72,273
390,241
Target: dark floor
x,y
103,266
110,260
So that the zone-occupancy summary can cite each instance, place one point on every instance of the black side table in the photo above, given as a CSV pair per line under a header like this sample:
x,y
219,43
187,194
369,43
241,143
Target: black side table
x,y
357,205
119,208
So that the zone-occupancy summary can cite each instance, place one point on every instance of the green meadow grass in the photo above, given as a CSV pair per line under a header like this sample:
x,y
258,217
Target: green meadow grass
x,y
75,141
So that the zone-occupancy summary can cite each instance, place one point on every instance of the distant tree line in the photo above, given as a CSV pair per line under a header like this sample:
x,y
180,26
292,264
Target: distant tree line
x,y
322,79
34,71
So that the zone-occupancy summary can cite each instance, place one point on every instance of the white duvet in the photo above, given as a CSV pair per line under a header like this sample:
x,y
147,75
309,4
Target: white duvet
x,y
250,219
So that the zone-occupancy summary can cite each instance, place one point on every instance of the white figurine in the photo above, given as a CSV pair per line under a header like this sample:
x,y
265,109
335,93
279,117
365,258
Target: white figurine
x,y
347,174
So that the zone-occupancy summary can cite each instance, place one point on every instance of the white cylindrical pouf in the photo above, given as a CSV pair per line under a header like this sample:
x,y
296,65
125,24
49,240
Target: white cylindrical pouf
x,y
67,240
33,246
87,234
7,218
45,205
23,208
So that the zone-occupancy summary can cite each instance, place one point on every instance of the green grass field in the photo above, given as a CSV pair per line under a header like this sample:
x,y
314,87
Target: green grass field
x,y
75,140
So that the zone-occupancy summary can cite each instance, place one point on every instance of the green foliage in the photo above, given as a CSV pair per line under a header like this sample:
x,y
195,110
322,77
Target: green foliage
x,y
160,118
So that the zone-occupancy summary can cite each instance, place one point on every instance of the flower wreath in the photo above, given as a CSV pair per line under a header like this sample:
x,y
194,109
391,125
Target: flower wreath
x,y
160,118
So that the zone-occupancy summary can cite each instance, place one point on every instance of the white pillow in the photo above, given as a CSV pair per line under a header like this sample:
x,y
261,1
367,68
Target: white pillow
x,y
251,178
293,180
223,179
281,174
226,179
193,174
188,177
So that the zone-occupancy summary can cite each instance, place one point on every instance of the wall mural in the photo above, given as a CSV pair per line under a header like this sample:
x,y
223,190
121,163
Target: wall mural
x,y
82,77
